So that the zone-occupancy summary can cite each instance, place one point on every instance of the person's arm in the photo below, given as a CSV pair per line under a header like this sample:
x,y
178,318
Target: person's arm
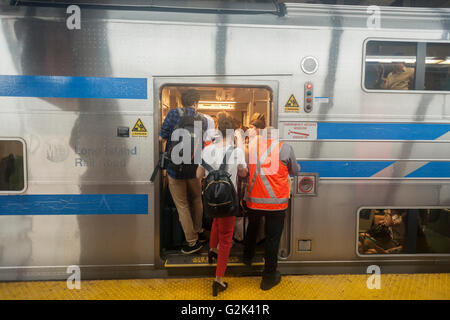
x,y
387,220
168,125
210,129
239,135
200,172
287,157
371,247
242,171
247,153
378,219
242,165
394,250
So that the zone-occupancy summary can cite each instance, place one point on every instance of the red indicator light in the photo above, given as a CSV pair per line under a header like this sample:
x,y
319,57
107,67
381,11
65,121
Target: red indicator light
x,y
308,100
309,85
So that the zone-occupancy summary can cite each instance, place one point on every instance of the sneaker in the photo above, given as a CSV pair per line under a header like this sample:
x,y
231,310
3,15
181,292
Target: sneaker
x,y
187,249
270,282
202,237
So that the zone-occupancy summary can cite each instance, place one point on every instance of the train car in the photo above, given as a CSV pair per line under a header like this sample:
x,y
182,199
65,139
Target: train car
x,y
362,95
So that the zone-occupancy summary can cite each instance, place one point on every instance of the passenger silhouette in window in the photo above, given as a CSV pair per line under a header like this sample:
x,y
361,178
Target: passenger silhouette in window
x,y
379,238
401,77
11,173
6,170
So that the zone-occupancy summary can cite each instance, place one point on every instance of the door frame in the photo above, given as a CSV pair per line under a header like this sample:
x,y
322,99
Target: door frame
x,y
230,81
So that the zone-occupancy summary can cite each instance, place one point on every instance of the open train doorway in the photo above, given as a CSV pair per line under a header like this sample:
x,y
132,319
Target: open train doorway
x,y
240,103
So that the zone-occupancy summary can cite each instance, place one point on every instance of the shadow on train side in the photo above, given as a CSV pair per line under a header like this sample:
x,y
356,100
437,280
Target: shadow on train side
x,y
47,48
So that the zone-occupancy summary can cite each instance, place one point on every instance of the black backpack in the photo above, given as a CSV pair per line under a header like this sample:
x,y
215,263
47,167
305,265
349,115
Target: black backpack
x,y
186,169
219,194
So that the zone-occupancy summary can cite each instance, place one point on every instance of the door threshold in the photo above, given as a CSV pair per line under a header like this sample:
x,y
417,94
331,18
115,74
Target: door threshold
x,y
201,260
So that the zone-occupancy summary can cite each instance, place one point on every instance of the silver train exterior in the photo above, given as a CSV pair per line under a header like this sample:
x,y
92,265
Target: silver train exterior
x,y
72,150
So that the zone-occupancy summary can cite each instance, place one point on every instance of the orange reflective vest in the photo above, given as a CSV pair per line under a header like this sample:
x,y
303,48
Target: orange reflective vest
x,y
268,187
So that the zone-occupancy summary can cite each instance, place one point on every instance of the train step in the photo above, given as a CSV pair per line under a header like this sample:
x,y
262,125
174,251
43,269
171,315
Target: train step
x,y
201,260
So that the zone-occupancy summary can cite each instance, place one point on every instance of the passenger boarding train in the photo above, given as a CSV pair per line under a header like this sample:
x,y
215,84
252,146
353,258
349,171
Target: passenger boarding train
x,y
366,108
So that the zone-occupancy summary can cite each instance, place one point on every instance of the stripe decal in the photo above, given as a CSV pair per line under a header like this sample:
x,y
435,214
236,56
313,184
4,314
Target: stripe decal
x,y
73,87
400,169
373,169
432,170
74,204
380,169
344,169
381,131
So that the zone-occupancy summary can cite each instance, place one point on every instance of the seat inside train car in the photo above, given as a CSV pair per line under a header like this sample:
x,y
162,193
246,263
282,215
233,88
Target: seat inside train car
x,y
240,103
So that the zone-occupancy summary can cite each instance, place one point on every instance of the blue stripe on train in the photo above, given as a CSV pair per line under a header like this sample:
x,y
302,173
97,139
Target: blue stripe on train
x,y
366,169
432,170
74,204
73,87
344,169
381,131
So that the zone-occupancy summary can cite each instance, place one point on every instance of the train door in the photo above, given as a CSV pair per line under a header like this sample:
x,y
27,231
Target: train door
x,y
240,100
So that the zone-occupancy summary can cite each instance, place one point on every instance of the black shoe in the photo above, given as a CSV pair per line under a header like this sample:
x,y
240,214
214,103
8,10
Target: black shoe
x,y
211,255
268,283
202,238
187,249
247,261
217,287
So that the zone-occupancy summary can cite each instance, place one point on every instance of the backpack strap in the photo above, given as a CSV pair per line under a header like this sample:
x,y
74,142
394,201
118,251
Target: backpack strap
x,y
207,166
226,158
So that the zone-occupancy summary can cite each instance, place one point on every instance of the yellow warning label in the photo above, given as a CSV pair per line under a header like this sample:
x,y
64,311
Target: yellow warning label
x,y
291,105
139,129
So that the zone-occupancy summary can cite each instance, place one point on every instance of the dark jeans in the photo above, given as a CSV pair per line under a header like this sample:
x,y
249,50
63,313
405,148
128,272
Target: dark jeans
x,y
273,229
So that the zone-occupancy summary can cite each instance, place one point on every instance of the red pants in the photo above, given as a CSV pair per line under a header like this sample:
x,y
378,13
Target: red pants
x,y
222,234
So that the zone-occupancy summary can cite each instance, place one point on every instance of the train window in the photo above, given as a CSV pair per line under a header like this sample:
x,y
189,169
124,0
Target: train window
x,y
437,67
390,65
404,231
12,166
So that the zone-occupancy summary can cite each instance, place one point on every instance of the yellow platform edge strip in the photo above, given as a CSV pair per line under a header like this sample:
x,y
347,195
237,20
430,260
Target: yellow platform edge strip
x,y
307,287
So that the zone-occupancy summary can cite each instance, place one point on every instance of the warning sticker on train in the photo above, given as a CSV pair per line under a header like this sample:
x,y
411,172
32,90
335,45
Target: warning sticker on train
x,y
292,105
139,130
300,130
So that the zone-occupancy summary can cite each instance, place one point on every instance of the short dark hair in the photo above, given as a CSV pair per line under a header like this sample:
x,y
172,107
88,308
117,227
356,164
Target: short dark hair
x,y
225,122
258,123
189,98
258,120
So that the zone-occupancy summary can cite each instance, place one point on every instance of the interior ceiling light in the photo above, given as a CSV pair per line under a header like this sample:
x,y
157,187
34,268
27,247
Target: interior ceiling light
x,y
429,60
216,106
438,60
216,102
391,59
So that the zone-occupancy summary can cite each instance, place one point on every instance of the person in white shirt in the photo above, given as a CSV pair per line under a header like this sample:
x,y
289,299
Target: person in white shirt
x,y
210,132
222,228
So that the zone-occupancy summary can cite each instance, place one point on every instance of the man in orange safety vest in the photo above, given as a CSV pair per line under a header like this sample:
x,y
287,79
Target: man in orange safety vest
x,y
270,162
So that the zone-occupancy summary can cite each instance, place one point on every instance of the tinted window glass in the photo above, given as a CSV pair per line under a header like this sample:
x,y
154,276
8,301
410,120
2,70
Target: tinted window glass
x,y
437,67
405,231
11,166
390,65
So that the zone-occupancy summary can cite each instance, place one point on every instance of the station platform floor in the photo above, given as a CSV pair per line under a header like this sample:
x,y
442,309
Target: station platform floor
x,y
303,287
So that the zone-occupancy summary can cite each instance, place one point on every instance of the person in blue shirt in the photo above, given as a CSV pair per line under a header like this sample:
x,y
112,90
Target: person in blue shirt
x,y
184,188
